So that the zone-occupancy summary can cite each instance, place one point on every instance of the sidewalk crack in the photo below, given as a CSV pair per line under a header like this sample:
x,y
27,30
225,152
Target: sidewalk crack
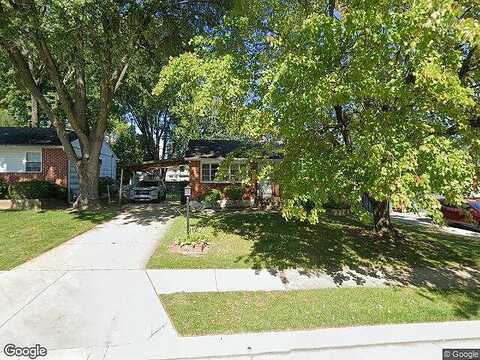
x,y
32,300
216,283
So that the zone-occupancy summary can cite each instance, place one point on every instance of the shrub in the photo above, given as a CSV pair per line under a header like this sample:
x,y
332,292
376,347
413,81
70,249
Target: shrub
x,y
103,182
33,189
3,189
212,196
198,237
60,192
234,192
336,204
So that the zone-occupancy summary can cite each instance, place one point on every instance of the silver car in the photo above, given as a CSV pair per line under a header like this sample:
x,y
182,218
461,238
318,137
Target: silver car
x,y
148,191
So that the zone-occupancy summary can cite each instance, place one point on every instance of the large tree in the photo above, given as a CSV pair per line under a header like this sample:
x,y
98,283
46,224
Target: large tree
x,y
363,95
86,48
151,114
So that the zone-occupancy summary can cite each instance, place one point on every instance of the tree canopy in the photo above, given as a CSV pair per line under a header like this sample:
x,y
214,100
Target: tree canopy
x,y
366,97
86,48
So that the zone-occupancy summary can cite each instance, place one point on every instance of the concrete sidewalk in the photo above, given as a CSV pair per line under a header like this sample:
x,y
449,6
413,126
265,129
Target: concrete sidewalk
x,y
220,280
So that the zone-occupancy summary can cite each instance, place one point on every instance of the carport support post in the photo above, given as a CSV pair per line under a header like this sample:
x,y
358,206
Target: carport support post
x,y
121,186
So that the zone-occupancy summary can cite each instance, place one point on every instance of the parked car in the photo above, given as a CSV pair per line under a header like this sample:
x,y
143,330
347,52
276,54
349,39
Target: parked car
x,y
148,191
467,215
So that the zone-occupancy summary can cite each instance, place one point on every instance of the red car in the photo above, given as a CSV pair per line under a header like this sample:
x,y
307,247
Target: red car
x,y
467,215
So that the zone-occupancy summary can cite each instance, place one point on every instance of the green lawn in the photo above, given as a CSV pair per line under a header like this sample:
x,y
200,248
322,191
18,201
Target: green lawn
x,y
266,240
223,313
224,251
26,234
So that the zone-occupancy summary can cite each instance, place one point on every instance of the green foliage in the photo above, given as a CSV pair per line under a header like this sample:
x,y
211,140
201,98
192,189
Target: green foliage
x,y
363,102
32,189
6,119
211,197
234,192
199,237
3,189
336,204
126,144
73,56
60,193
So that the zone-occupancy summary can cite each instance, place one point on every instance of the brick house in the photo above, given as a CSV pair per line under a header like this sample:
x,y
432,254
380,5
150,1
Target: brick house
x,y
204,158
37,153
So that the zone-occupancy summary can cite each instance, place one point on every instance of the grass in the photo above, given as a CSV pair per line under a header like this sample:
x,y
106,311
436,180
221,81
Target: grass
x,y
196,314
28,233
224,248
265,240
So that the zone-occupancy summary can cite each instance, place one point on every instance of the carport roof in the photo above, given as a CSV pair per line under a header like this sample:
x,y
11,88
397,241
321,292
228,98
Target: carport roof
x,y
156,165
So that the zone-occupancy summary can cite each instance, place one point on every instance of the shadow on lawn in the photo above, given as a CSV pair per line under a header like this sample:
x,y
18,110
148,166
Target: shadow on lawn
x,y
465,302
346,249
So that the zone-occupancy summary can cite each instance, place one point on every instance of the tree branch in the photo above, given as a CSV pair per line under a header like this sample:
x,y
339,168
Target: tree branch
x,y
26,77
466,63
119,74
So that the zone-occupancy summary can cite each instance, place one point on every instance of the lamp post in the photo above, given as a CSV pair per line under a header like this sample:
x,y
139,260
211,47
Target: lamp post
x,y
188,193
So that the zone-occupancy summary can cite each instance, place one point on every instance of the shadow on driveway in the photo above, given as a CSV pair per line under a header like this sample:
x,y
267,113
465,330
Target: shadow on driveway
x,y
146,214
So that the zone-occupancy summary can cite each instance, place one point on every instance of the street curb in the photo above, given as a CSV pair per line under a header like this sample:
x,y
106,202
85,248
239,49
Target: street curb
x,y
290,343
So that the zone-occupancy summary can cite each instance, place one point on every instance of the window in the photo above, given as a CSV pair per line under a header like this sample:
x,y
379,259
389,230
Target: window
x,y
209,172
33,161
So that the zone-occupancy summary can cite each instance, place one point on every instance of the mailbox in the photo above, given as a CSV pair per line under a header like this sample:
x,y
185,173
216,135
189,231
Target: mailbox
x,y
188,191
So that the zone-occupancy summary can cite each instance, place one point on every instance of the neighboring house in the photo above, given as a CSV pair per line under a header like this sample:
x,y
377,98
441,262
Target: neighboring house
x,y
37,153
204,158
177,174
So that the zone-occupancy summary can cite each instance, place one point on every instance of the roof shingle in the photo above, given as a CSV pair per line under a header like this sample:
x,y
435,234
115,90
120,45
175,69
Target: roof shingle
x,y
30,136
215,148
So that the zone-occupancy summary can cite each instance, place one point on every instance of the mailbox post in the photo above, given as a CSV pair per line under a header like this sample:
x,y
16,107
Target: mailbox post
x,y
188,193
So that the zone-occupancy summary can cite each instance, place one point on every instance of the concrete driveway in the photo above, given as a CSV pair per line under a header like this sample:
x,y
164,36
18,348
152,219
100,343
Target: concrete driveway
x,y
90,293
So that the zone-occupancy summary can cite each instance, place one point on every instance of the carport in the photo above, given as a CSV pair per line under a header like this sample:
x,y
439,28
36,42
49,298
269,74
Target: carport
x,y
157,168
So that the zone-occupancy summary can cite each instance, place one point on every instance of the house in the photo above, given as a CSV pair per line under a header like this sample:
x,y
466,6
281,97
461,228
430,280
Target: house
x,y
204,158
37,153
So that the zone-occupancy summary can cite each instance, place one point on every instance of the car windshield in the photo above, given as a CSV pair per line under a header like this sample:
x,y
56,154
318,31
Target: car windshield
x,y
147,184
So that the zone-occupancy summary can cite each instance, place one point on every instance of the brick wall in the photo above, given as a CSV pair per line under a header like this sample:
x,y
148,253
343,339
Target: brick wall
x,y
54,169
199,188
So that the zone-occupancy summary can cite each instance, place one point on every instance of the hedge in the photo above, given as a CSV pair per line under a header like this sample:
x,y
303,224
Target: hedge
x,y
36,189
3,189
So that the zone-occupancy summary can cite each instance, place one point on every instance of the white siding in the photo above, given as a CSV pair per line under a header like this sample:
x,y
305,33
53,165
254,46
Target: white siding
x,y
12,158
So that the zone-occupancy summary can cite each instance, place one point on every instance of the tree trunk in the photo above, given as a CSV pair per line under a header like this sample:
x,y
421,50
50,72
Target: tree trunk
x,y
88,178
381,217
34,118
